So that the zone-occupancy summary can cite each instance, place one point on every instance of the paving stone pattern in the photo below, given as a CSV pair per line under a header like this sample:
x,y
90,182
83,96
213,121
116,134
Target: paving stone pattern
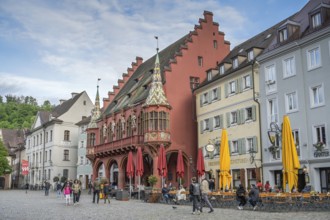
x,y
34,205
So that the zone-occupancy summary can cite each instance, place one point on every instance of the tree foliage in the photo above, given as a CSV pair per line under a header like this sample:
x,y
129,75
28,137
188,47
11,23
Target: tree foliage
x,y
4,163
19,112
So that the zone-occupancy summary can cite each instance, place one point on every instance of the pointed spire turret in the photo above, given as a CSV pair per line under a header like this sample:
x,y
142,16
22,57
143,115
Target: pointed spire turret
x,y
156,94
96,112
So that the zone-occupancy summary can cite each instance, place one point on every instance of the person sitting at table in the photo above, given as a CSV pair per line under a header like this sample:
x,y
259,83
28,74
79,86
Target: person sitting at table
x,y
166,194
240,195
254,196
180,194
267,187
259,186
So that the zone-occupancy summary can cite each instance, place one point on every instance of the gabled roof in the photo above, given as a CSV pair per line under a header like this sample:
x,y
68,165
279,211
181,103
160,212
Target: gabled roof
x,y
136,89
84,121
12,138
65,106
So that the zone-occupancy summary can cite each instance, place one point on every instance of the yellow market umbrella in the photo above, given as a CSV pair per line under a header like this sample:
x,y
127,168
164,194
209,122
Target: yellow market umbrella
x,y
290,159
225,177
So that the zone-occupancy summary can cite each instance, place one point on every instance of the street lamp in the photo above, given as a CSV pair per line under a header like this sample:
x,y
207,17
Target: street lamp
x,y
274,136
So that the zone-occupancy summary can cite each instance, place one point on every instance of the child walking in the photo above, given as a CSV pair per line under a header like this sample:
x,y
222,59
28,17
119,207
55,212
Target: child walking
x,y
67,193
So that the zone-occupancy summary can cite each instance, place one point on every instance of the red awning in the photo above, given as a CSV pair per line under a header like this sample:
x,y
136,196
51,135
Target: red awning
x,y
162,164
130,166
180,165
200,163
139,162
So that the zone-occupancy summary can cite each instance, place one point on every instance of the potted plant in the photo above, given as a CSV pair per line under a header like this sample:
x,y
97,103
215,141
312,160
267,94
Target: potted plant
x,y
319,146
152,180
152,196
56,179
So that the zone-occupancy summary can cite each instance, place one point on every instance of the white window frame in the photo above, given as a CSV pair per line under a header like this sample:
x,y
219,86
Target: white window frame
x,y
222,69
270,78
216,123
81,160
247,81
235,63
296,138
289,67
214,94
272,111
291,100
316,20
314,58
234,147
232,87
206,124
322,136
283,34
249,144
205,98
321,95
247,114
250,55
233,118
209,76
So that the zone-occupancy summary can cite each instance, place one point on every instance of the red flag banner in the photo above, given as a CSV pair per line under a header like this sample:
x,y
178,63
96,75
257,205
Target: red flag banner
x,y
25,167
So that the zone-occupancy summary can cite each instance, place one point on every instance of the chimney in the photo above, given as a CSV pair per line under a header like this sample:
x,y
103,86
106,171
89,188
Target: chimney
x,y
73,94
62,101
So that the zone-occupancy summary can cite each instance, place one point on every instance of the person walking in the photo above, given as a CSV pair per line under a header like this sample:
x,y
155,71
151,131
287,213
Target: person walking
x,y
205,190
75,188
58,190
47,186
254,196
67,193
96,190
106,192
240,195
195,193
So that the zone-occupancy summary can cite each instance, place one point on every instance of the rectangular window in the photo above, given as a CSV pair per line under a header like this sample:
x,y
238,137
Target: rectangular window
x,y
46,137
236,174
235,63
66,155
81,160
215,94
317,96
316,20
270,78
272,111
234,146
67,135
320,134
49,174
50,155
283,35
291,102
205,96
250,146
82,144
66,173
209,76
248,113
222,69
200,61
250,55
232,87
194,82
295,134
247,81
51,135
289,67
206,125
215,44
314,58
45,156
233,118
217,122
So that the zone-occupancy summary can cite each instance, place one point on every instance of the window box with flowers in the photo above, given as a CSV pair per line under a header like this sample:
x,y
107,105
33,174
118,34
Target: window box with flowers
x,y
319,146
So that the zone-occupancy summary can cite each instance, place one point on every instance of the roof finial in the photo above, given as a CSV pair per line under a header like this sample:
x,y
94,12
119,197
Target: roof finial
x,y
156,37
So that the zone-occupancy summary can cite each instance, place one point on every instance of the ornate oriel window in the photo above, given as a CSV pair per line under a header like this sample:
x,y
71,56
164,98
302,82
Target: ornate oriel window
x,y
91,141
156,121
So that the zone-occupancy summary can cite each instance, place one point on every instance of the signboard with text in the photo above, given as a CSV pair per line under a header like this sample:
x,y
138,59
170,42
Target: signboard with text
x,y
25,167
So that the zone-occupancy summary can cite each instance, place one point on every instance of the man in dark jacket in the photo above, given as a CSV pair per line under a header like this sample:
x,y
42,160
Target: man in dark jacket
x,y
240,194
195,193
254,196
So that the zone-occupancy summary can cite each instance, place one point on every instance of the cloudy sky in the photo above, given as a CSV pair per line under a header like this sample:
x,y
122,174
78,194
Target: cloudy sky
x,y
49,49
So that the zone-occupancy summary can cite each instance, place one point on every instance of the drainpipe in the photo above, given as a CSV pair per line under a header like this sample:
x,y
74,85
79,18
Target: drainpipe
x,y
259,114
43,154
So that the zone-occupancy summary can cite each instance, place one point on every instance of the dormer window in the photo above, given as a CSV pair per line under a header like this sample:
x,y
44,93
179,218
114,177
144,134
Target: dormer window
x,y
222,69
209,76
250,55
316,20
283,34
235,63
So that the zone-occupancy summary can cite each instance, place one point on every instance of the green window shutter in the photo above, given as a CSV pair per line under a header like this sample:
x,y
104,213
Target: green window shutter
x,y
229,145
228,119
255,144
221,121
236,86
226,90
254,112
210,96
238,117
201,126
239,146
211,123
239,85
219,92
201,100
251,81
243,144
242,112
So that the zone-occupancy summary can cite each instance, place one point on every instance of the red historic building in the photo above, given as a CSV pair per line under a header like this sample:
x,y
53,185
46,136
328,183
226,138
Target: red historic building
x,y
152,105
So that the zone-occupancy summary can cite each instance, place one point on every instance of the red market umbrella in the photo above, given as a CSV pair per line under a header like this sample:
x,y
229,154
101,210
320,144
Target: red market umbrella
x,y
180,166
162,164
139,166
130,169
130,165
200,163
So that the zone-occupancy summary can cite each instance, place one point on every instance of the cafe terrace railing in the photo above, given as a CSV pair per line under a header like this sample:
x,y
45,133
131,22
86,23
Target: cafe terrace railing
x,y
272,202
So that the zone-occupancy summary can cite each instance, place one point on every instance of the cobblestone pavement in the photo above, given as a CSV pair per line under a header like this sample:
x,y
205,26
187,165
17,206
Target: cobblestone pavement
x,y
33,205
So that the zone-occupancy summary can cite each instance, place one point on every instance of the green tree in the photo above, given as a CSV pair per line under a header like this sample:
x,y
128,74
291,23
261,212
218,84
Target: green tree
x,y
4,164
